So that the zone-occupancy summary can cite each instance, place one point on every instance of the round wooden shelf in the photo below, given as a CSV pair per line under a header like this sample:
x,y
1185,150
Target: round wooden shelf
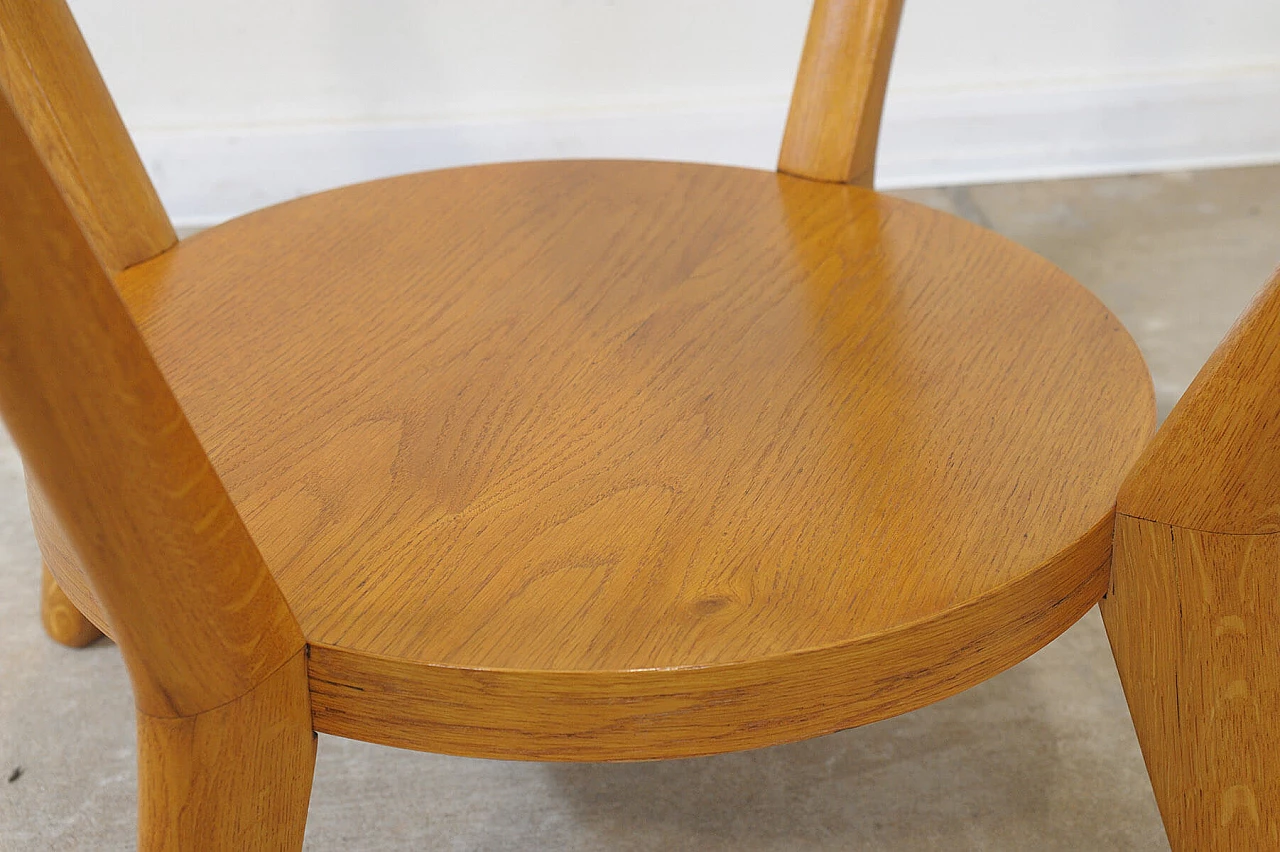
x,y
623,460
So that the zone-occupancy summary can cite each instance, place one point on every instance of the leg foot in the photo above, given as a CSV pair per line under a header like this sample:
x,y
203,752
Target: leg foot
x,y
62,621
235,777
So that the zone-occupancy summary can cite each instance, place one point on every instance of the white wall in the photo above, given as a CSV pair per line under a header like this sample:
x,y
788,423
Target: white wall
x,y
240,102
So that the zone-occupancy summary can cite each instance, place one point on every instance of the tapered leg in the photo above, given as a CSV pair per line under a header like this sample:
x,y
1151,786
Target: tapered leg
x,y
1194,623
62,621
237,777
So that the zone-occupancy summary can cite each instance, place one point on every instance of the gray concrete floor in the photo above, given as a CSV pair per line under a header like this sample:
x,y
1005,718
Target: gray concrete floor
x,y
1043,756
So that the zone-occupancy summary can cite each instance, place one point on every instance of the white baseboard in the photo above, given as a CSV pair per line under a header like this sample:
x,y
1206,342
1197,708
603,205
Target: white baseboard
x,y
960,137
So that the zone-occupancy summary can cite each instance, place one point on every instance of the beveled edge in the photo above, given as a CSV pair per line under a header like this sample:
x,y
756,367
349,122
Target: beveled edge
x,y
688,712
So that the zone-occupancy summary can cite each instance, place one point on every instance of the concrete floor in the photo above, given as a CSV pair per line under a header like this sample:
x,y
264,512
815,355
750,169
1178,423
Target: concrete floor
x,y
1043,756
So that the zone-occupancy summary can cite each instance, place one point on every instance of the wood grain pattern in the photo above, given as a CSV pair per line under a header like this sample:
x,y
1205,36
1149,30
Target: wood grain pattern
x,y
219,673
582,421
1194,620
63,106
1215,465
62,621
552,461
60,101
663,713
183,587
60,562
834,124
1193,614
236,777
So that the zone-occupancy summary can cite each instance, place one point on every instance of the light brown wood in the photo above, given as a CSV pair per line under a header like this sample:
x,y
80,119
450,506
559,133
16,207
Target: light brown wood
x,y
552,461
182,585
73,584
1194,621
1194,610
657,713
62,621
834,123
618,431
63,106
215,656
232,778
60,101
1215,465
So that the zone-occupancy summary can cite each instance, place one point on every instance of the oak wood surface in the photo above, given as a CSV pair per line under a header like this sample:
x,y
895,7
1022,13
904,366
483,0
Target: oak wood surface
x,y
181,584
656,713
1194,621
236,777
1215,464
833,127
63,106
614,429
59,99
570,461
1193,614
62,621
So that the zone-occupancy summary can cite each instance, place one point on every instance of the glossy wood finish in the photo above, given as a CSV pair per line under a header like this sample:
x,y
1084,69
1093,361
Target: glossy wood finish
x,y
1193,615
235,777
834,123
62,621
590,428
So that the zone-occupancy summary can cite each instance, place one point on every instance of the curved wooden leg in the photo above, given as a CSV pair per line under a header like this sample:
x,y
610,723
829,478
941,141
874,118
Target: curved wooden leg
x,y
235,777
1194,623
62,621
